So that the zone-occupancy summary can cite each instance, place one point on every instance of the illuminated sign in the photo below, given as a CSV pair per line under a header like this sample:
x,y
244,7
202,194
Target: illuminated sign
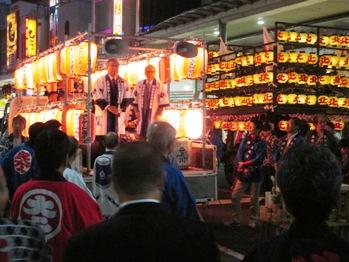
x,y
30,37
117,17
11,39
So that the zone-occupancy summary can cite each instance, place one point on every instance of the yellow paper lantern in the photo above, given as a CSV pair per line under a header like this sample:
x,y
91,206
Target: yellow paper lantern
x,y
335,80
311,100
344,41
343,81
293,56
257,59
217,124
247,60
231,83
249,101
338,125
283,125
342,102
283,57
81,58
325,80
208,87
324,40
302,79
282,36
312,80
241,126
269,77
231,65
322,100
343,61
282,99
19,78
231,102
268,98
282,78
334,61
262,57
301,99
302,57
312,58
311,38
212,68
302,37
256,79
292,36
334,40
325,60
332,101
269,57
241,81
249,80
238,59
223,84
233,126
293,77
238,101
292,99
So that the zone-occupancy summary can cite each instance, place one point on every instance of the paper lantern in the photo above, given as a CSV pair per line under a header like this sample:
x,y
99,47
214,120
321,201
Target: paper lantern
x,y
19,78
258,99
302,57
302,37
223,84
311,38
312,80
247,60
334,61
67,60
325,79
342,102
193,123
324,40
257,59
332,101
343,61
269,57
223,102
262,57
338,125
225,125
282,78
343,81
29,76
292,36
217,124
249,80
283,57
343,41
269,77
256,79
325,60
282,99
208,87
334,40
322,100
283,125
238,59
301,99
312,58
335,80
302,79
293,56
238,101
81,58
268,98
241,126
249,101
231,101
231,65
70,122
213,68
292,77
282,36
231,83
311,100
234,126
244,100
292,99
241,81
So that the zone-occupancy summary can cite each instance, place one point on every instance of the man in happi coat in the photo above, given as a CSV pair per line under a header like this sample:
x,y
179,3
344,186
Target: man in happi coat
x,y
150,98
112,95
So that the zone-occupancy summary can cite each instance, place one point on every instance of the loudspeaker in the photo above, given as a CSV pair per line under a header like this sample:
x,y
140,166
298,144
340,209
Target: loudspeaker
x,y
185,49
115,46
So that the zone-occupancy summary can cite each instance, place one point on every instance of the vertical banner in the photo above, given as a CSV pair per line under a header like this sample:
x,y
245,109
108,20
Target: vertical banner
x,y
117,17
11,39
30,37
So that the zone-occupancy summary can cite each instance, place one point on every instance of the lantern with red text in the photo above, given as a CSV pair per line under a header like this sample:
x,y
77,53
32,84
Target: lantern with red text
x,y
293,56
293,77
302,37
302,79
283,57
83,128
332,101
283,125
325,60
282,78
311,38
282,99
324,40
325,79
312,58
334,40
302,57
292,36
322,100
282,36
312,80
311,100
338,125
292,99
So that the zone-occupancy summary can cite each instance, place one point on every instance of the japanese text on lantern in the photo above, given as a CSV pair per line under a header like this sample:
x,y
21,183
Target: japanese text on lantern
x,y
30,37
11,38
117,17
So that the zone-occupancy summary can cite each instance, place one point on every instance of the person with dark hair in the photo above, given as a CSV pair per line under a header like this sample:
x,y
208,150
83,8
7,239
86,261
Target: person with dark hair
x,y
309,179
19,164
292,138
141,230
177,197
343,146
322,137
53,123
59,207
70,174
29,245
16,138
102,172
250,156
304,128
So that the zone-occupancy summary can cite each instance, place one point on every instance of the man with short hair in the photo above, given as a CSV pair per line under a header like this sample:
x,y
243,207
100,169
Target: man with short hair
x,y
309,179
102,174
141,230
151,97
177,198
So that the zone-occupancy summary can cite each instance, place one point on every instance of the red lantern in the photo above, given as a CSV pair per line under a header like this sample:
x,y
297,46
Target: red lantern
x,y
338,125
283,125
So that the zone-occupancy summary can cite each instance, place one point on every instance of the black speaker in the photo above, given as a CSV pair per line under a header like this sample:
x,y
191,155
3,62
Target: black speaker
x,y
115,46
185,49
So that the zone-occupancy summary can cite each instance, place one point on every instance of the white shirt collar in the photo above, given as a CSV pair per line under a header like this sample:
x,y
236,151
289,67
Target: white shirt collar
x,y
145,200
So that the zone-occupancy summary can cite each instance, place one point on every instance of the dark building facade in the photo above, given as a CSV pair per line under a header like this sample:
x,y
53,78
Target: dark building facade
x,y
4,9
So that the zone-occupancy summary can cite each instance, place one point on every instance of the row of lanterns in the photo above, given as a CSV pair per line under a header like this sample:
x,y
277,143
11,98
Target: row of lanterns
x,y
312,80
311,38
256,99
70,61
243,81
338,125
311,100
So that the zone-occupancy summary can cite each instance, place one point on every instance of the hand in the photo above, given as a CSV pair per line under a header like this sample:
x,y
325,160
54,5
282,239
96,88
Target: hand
x,y
113,109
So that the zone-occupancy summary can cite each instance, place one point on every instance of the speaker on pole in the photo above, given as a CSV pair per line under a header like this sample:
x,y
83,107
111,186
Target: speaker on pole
x,y
114,46
185,49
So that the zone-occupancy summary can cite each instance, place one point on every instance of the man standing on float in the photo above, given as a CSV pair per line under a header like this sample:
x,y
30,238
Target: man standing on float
x,y
151,97
112,95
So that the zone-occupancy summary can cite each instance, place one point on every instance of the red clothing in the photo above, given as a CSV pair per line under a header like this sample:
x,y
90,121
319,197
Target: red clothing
x,y
59,207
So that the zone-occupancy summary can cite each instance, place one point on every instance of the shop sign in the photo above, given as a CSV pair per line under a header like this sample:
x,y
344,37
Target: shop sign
x,y
30,37
12,39
117,17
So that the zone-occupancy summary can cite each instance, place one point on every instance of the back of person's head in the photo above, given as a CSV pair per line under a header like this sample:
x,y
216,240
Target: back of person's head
x,y
34,130
309,179
51,149
19,119
258,123
304,128
161,135
137,169
110,140
53,123
73,146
